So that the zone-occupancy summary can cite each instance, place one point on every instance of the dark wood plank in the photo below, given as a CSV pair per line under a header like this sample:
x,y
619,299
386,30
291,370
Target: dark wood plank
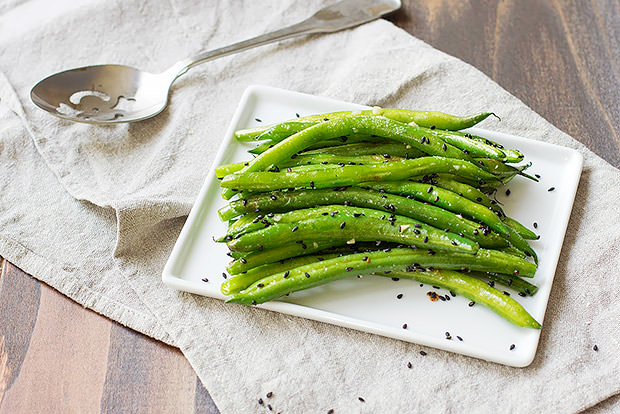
x,y
19,303
56,356
560,58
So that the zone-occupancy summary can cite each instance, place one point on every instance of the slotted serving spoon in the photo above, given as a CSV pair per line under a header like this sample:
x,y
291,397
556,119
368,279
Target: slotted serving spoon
x,y
104,94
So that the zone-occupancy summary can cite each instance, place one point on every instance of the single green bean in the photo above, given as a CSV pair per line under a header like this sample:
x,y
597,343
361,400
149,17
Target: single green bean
x,y
258,258
469,146
524,287
350,175
370,148
476,290
422,118
238,282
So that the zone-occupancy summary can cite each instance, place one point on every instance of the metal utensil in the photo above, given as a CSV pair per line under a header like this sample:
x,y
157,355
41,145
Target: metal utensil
x,y
104,94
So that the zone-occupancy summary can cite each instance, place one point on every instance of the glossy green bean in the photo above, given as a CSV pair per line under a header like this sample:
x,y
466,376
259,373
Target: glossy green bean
x,y
476,290
370,148
238,282
421,118
258,258
469,146
350,175
524,287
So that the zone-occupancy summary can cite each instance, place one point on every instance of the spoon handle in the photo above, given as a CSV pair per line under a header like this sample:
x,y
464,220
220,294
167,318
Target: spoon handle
x,y
339,16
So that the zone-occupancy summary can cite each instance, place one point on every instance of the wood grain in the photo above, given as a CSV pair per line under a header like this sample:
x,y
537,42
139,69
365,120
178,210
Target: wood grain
x,y
56,356
561,58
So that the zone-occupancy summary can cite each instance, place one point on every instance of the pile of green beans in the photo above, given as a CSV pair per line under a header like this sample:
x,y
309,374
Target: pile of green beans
x,y
384,191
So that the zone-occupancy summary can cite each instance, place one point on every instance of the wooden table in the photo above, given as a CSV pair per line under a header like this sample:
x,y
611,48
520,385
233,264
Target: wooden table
x,y
562,58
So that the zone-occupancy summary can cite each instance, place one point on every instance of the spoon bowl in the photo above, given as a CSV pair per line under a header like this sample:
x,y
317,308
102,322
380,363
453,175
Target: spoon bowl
x,y
103,94
107,94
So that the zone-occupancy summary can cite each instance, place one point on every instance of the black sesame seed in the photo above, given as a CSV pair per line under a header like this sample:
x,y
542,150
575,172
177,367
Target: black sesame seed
x,y
535,225
399,296
478,199
307,274
348,269
260,285
432,127
459,338
422,353
286,274
444,147
395,279
270,407
330,411
303,246
551,189
293,156
205,280
344,223
242,260
595,347
508,192
312,184
295,228
260,401
537,175
472,303
296,114
430,189
425,239
409,365
404,326
361,399
522,294
512,346
253,302
506,293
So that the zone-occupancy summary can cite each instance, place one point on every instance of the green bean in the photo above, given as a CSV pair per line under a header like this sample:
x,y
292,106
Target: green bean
x,y
524,287
511,155
288,200
351,224
370,148
502,170
329,143
464,190
442,198
476,290
513,251
520,228
315,274
350,175
469,146
310,159
422,118
258,258
238,282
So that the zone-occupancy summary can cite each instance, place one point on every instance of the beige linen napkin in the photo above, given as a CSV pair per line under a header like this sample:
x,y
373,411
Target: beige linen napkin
x,y
94,211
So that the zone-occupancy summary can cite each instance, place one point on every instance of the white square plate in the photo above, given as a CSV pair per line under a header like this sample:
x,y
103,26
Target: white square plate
x,y
369,304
